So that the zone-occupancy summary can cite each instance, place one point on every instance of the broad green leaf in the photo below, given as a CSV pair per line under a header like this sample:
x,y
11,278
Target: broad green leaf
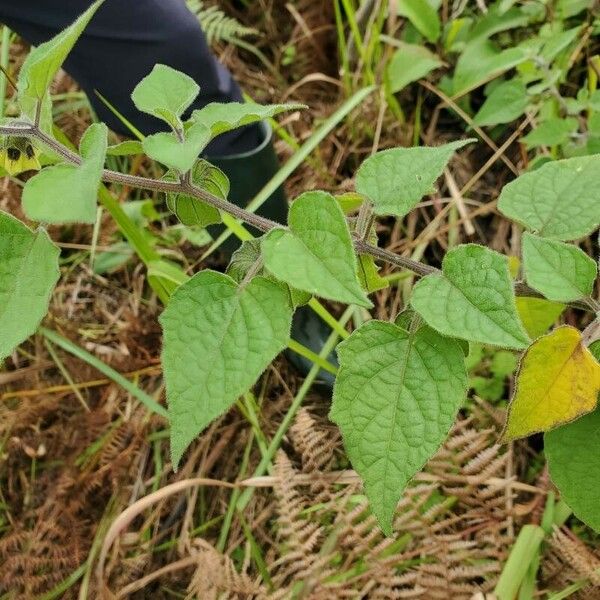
x,y
472,299
558,42
506,103
423,16
44,61
67,193
551,133
481,62
248,259
191,211
395,399
316,253
126,148
496,20
410,63
220,117
28,274
165,93
560,200
176,154
396,179
538,314
558,381
573,454
561,272
218,338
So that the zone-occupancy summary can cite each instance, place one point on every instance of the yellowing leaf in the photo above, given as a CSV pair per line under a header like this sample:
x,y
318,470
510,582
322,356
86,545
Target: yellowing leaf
x,y
558,381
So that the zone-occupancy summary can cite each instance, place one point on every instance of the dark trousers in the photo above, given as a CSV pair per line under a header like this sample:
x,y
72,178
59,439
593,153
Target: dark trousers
x,y
121,44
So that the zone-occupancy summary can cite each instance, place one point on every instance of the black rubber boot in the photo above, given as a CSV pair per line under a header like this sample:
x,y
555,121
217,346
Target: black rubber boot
x,y
248,173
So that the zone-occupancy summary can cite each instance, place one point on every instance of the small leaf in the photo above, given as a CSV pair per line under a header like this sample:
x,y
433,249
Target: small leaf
x,y
409,63
126,148
218,339
573,454
472,299
561,272
395,180
28,274
424,17
167,149
316,254
507,102
368,273
192,211
165,93
560,200
558,381
220,117
44,61
67,193
538,314
552,132
395,399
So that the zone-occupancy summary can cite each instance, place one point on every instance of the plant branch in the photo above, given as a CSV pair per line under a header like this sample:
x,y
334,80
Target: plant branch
x,y
261,223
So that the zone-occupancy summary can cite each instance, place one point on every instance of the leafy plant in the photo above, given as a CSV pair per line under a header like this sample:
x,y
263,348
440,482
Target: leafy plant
x,y
400,385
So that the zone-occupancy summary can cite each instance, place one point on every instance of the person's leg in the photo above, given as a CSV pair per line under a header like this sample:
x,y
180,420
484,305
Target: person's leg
x,y
121,44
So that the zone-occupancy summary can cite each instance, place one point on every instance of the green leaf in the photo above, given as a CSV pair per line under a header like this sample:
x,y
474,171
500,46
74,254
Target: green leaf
x,y
218,339
165,93
67,193
558,381
395,180
481,62
191,211
220,117
126,148
176,154
44,61
472,299
410,63
28,274
506,103
395,399
368,273
560,200
551,132
316,253
561,272
538,314
573,454
423,16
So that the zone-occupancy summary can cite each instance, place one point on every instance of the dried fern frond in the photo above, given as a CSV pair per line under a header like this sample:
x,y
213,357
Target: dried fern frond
x,y
218,26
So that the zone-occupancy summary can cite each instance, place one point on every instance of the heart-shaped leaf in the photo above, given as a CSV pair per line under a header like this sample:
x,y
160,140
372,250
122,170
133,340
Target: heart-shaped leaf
x,y
395,399
177,154
218,338
473,299
316,254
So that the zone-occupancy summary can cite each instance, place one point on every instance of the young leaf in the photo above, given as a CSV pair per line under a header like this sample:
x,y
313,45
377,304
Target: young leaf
x,y
506,103
560,200
551,132
395,399
218,338
316,253
28,274
177,154
573,454
126,148
558,381
538,314
410,63
561,272
192,211
165,93
423,16
67,193
472,299
396,179
44,61
220,117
